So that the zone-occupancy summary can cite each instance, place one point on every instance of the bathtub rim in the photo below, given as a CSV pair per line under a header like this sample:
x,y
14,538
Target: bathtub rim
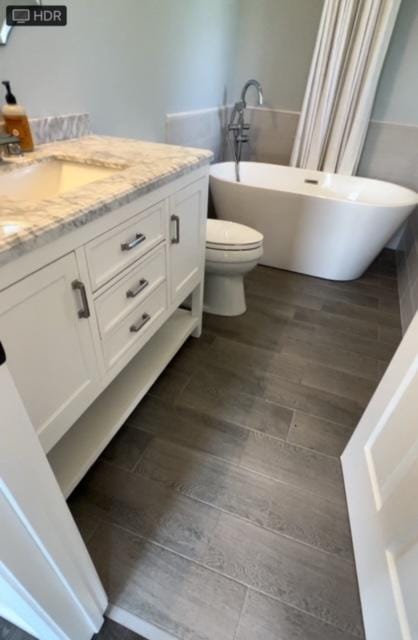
x,y
413,202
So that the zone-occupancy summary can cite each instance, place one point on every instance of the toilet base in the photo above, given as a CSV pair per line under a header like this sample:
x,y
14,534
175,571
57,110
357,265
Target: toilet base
x,y
224,295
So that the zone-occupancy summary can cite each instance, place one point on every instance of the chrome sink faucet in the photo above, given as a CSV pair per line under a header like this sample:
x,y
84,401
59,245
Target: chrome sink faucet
x,y
9,146
237,126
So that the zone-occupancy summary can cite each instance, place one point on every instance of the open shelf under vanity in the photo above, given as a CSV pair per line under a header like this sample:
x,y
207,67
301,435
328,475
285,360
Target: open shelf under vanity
x,y
74,454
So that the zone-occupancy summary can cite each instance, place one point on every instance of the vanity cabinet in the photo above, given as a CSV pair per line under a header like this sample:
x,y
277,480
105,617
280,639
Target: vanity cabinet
x,y
187,236
96,318
49,346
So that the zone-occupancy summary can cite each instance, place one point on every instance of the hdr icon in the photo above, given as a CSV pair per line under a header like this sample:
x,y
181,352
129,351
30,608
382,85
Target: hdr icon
x,y
36,16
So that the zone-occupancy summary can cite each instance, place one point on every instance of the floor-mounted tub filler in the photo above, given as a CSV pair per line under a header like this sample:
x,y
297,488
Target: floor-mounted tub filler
x,y
321,224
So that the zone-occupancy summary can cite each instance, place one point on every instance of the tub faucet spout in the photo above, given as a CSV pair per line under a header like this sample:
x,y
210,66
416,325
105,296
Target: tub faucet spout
x,y
247,85
238,129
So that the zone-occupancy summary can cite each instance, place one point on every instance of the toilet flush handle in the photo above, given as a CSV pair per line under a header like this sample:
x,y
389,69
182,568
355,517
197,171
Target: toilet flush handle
x,y
176,221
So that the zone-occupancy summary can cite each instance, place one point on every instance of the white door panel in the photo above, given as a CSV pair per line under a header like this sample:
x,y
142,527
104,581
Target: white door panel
x,y
380,466
48,582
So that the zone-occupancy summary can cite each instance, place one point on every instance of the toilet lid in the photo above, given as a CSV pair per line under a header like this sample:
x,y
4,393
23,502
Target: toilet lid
x,y
226,235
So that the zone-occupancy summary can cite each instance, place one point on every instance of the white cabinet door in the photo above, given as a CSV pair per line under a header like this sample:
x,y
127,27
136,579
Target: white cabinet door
x,y
188,234
380,467
49,346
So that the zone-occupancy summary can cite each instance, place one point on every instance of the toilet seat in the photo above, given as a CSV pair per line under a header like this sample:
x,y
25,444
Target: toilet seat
x,y
223,235
235,255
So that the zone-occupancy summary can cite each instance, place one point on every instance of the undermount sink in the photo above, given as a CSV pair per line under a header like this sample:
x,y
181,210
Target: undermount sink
x,y
49,178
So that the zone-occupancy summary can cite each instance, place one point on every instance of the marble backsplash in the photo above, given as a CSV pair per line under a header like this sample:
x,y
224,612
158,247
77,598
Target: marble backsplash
x,y
57,128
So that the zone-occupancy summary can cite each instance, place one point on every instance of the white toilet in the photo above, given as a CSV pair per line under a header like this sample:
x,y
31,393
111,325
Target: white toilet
x,y
232,250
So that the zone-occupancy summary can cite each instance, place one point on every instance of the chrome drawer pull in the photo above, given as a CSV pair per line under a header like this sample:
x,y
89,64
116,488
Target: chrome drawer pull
x,y
132,293
127,246
77,285
176,221
138,326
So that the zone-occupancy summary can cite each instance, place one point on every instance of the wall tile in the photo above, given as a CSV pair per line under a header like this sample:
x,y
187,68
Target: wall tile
x,y
272,135
391,153
202,129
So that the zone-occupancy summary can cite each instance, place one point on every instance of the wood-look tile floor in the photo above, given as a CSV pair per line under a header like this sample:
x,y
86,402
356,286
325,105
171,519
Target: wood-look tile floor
x,y
109,631
218,512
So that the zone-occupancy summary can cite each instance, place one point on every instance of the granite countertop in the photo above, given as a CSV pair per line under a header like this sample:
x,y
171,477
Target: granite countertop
x,y
140,167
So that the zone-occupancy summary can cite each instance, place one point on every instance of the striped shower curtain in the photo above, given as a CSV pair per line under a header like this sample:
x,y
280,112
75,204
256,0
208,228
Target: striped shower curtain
x,y
352,42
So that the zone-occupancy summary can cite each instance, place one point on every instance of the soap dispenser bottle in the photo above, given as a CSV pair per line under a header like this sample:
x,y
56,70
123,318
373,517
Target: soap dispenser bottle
x,y
16,121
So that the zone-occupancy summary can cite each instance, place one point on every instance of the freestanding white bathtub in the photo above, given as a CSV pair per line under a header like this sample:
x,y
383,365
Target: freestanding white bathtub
x,y
322,224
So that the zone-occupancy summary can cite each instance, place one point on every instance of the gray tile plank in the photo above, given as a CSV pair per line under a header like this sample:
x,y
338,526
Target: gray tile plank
x,y
126,447
250,361
164,589
357,344
362,291
250,330
393,335
390,304
272,294
264,618
148,509
372,316
381,280
170,383
242,409
254,329
313,401
320,435
231,442
201,431
86,521
266,502
318,582
334,357
295,465
353,326
234,380
340,383
310,292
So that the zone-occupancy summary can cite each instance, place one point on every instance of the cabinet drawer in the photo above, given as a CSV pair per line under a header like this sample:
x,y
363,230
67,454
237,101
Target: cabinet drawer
x,y
114,305
133,331
116,249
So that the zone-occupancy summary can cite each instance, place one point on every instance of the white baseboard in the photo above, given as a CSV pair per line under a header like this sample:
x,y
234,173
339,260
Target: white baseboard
x,y
137,625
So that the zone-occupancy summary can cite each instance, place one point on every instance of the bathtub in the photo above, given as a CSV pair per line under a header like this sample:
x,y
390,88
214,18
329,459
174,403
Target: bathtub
x,y
321,224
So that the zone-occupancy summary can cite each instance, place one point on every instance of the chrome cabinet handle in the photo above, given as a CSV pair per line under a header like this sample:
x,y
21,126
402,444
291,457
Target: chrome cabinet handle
x,y
138,326
132,293
77,285
127,246
176,221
